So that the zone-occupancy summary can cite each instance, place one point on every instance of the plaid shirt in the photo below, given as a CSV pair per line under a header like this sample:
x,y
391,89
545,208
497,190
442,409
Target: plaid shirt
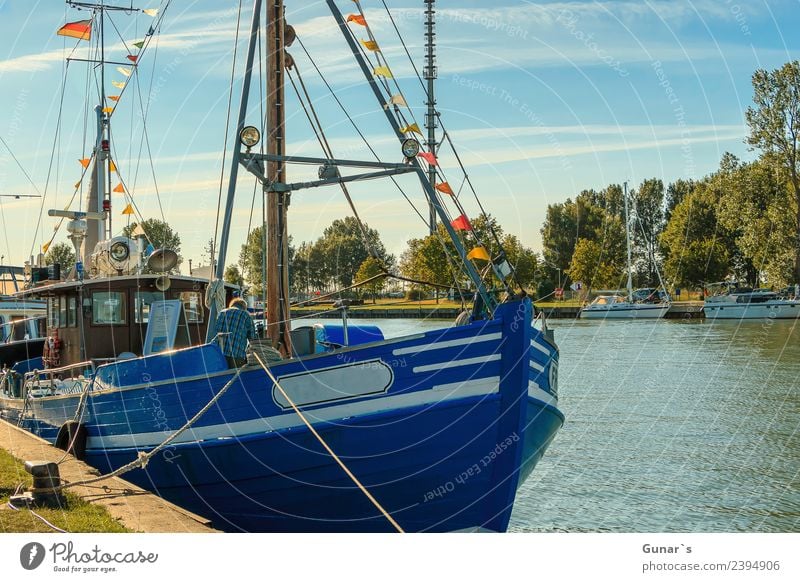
x,y
239,325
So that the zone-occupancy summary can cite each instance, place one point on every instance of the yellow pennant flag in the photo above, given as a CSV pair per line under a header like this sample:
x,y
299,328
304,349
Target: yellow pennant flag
x,y
118,84
114,98
77,184
139,231
370,45
150,11
478,253
382,72
128,209
112,167
85,162
124,71
45,246
119,188
108,110
408,128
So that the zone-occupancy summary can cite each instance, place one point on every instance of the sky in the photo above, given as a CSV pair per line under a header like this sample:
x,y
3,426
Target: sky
x,y
542,99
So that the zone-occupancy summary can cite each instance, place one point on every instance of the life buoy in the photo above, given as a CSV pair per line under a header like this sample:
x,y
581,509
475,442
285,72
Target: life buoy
x,y
51,352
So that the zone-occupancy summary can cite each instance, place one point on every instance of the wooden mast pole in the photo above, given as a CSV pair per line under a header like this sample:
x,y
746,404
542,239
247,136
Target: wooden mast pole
x,y
277,202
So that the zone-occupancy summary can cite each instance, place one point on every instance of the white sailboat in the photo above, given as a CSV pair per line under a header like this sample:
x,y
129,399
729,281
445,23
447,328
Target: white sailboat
x,y
743,303
618,307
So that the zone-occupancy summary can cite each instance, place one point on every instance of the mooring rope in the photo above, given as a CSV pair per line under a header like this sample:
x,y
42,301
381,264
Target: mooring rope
x,y
327,448
143,458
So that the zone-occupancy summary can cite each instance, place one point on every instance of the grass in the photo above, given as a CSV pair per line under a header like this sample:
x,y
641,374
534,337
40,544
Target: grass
x,y
76,515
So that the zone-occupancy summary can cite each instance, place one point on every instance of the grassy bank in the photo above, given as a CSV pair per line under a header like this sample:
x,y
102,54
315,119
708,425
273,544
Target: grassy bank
x,y
76,516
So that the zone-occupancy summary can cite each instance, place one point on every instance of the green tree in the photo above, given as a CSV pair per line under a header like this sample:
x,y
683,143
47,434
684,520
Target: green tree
x,y
370,268
676,192
774,124
523,259
344,248
63,254
697,248
234,276
647,223
251,260
160,235
427,260
589,267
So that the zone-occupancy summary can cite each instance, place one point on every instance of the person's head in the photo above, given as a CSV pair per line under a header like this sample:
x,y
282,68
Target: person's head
x,y
238,302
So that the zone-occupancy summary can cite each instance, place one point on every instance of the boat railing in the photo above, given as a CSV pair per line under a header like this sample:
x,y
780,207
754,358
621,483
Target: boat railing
x,y
52,379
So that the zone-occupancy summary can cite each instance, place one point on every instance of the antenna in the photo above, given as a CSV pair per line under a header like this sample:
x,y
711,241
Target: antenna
x,y
431,123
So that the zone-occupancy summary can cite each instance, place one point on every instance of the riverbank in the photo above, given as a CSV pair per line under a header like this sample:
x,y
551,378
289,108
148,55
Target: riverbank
x,y
113,505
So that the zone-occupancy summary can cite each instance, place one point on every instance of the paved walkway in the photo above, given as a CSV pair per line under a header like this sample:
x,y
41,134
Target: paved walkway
x,y
133,507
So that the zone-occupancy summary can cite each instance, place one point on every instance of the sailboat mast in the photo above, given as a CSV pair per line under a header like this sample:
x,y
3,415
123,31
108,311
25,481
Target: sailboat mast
x,y
430,116
628,241
277,256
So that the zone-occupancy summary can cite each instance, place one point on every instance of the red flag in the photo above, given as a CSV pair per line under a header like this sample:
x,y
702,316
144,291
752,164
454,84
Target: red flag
x,y
357,18
461,223
445,188
81,29
428,157
132,58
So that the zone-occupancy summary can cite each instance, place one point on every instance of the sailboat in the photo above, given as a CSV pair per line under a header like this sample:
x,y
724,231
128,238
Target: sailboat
x,y
649,305
433,431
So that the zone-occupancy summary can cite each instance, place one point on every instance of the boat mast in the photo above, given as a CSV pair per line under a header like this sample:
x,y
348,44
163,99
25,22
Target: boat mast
x,y
277,256
628,241
430,116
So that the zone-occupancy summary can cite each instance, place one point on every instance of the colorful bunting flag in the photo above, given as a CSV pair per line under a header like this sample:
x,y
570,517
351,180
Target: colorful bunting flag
x,y
82,29
382,72
119,188
128,210
445,188
150,11
478,253
77,184
428,157
45,246
397,100
132,58
108,110
118,84
139,44
370,45
461,223
138,231
112,166
408,128
85,162
357,18
124,71
114,97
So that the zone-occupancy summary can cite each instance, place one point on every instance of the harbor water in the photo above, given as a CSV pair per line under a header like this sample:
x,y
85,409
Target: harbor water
x,y
672,426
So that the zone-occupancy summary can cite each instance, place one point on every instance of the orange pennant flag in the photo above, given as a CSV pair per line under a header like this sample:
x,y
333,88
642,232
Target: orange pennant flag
x,y
112,166
445,188
428,157
108,110
45,246
114,97
478,253
85,162
370,45
119,188
357,18
128,209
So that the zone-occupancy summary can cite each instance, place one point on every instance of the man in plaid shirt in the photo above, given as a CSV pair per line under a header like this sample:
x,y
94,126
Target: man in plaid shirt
x,y
238,326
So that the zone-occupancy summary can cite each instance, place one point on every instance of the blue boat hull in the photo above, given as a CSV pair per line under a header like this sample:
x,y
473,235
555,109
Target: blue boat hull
x,y
441,427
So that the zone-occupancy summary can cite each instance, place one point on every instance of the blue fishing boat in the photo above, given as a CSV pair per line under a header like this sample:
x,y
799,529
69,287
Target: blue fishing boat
x,y
326,428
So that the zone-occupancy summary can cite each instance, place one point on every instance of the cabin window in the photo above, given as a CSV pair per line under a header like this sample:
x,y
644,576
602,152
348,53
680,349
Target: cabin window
x,y
20,330
108,307
192,306
143,301
72,311
52,312
62,311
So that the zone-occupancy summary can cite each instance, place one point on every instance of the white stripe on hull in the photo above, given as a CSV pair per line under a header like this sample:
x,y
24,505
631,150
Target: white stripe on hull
x,y
448,344
783,310
537,392
448,365
440,393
